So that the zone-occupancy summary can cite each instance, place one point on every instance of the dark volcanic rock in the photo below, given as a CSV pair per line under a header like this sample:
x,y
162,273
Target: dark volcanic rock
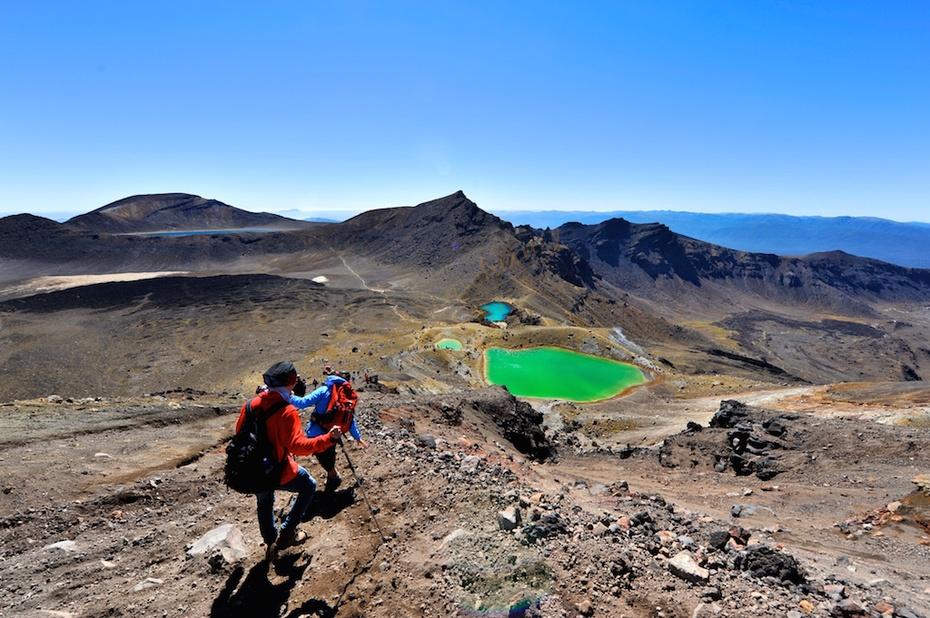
x,y
718,539
909,374
518,421
635,256
559,259
762,561
729,413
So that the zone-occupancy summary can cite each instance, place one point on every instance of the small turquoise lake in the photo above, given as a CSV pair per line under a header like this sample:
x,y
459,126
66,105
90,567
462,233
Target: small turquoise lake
x,y
496,310
449,344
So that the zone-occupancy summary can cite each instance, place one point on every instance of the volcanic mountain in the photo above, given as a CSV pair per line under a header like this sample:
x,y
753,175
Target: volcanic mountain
x,y
173,211
651,261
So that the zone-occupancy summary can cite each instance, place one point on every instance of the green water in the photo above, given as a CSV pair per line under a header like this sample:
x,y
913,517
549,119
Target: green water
x,y
496,311
554,373
449,344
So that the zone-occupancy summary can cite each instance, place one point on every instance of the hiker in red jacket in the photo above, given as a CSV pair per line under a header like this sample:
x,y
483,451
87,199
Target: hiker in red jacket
x,y
284,431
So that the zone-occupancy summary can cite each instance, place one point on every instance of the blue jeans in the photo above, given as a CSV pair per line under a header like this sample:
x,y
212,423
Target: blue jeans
x,y
304,486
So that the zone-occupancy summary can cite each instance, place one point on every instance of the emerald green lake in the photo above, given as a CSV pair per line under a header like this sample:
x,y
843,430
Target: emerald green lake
x,y
555,373
496,311
449,344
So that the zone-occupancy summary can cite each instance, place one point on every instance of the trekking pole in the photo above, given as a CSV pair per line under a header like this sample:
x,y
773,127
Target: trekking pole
x,y
358,481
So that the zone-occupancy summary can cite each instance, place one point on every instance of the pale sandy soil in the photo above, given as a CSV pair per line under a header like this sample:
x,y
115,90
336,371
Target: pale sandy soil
x,y
41,285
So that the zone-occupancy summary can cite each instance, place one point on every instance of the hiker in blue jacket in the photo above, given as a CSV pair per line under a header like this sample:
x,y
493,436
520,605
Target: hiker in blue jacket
x,y
319,400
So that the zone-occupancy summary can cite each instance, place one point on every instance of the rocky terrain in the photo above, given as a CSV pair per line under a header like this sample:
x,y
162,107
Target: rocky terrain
x,y
116,507
767,466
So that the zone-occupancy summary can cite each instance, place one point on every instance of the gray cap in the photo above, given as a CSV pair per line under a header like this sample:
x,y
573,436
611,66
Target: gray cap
x,y
280,374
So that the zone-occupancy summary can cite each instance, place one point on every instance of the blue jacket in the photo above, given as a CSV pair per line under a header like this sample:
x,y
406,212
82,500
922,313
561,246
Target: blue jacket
x,y
319,399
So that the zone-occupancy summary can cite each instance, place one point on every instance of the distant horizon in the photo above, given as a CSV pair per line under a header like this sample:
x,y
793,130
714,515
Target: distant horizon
x,y
64,215
803,109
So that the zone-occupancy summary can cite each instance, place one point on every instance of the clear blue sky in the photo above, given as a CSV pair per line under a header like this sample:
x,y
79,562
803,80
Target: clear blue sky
x,y
801,107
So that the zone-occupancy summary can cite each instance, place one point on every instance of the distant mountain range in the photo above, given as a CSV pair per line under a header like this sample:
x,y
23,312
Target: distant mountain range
x,y
451,241
645,278
905,244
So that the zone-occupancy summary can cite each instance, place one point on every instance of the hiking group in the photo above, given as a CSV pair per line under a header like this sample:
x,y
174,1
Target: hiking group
x,y
261,458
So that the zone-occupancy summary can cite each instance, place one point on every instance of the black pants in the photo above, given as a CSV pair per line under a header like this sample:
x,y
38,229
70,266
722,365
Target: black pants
x,y
327,459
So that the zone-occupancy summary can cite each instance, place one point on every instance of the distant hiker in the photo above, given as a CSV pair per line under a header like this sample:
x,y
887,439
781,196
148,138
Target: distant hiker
x,y
329,412
277,428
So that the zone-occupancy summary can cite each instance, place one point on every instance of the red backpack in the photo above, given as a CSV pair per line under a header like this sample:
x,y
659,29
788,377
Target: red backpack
x,y
341,408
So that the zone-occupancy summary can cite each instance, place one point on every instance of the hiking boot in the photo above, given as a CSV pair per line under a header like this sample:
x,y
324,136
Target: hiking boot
x,y
271,551
288,538
333,481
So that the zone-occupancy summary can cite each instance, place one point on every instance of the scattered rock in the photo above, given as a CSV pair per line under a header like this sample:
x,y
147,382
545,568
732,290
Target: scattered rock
x,y
847,608
762,561
509,518
585,608
470,464
66,546
718,539
923,482
226,540
683,565
148,582
426,441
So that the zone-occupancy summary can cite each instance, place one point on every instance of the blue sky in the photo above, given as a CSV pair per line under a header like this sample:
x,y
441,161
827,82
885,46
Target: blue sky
x,y
804,107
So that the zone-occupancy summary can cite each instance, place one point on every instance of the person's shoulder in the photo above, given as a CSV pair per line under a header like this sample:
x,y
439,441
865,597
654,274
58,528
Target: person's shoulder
x,y
320,390
253,402
288,415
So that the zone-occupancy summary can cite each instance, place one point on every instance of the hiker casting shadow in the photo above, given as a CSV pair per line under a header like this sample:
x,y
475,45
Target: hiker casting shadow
x,y
257,597
260,458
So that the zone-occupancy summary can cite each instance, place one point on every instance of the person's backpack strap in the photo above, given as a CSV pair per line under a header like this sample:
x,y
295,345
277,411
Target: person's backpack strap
x,y
276,408
333,396
273,410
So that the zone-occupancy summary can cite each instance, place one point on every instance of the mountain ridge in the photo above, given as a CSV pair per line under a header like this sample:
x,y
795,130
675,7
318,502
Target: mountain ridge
x,y
452,241
172,211
897,242
643,258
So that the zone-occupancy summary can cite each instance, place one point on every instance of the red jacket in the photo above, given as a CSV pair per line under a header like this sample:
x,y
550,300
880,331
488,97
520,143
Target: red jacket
x,y
285,433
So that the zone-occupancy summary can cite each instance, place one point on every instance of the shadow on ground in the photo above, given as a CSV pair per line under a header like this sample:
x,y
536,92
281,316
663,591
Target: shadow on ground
x,y
328,505
257,597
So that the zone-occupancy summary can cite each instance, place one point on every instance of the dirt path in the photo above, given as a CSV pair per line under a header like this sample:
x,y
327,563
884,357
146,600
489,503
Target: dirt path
x,y
380,291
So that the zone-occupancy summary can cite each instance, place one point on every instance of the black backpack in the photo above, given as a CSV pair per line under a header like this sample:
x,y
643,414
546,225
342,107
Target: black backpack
x,y
251,465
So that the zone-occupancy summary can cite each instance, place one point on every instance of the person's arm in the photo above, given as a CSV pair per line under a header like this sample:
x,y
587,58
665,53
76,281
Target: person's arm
x,y
309,400
301,445
354,432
